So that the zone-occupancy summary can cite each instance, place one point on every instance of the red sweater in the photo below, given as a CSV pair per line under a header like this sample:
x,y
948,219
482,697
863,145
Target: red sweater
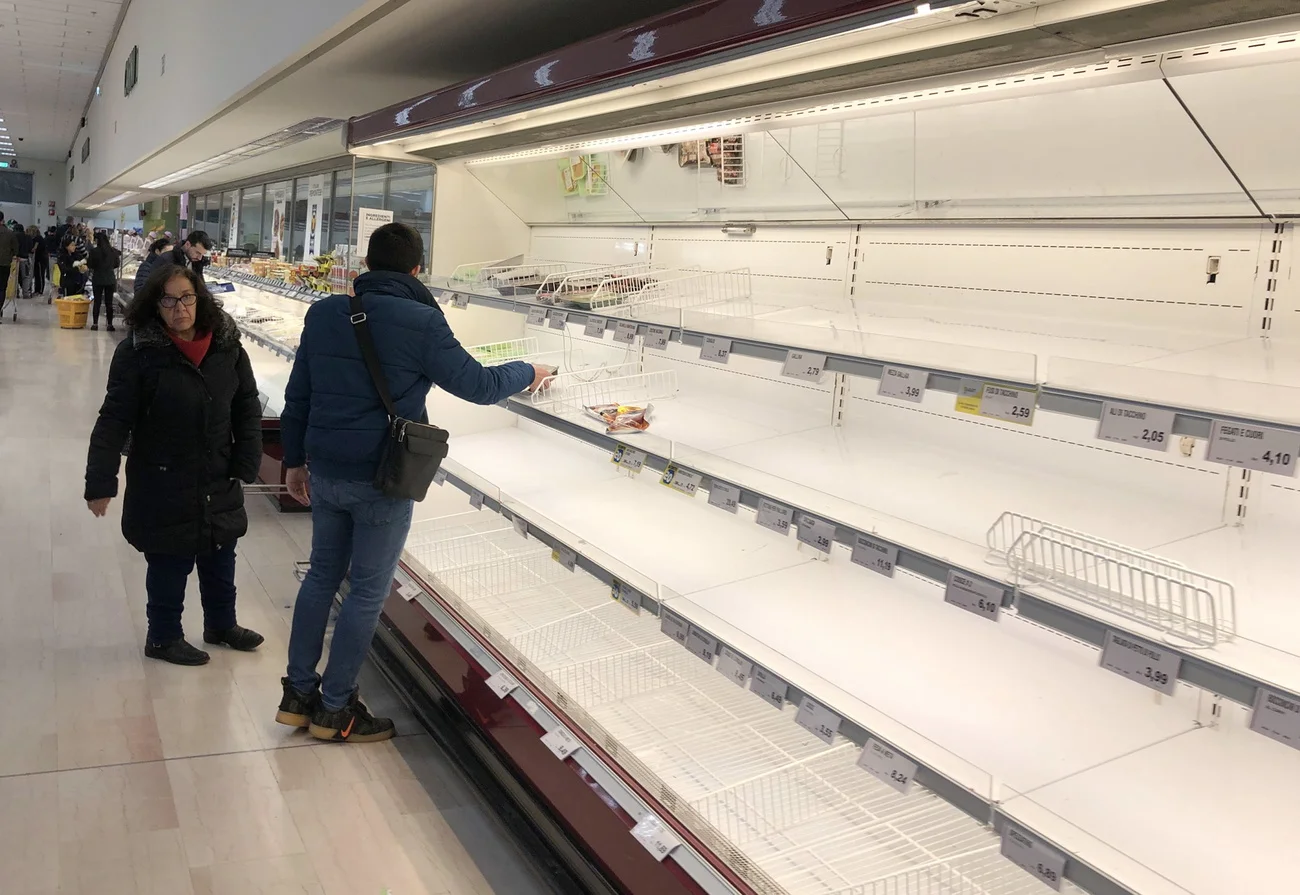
x,y
195,350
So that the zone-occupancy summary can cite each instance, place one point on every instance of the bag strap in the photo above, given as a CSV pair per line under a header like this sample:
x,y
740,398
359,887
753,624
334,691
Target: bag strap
x,y
367,342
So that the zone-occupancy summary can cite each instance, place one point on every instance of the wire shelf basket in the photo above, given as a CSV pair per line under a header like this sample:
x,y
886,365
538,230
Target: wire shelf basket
x,y
571,393
502,352
522,272
678,291
578,284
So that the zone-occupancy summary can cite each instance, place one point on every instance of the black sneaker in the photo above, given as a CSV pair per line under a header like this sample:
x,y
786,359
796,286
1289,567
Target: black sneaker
x,y
111,328
178,652
94,327
238,638
297,708
351,724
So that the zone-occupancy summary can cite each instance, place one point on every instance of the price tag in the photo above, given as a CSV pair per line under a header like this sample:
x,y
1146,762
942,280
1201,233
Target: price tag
x,y
701,644
657,838
1011,405
438,295
625,332
818,719
1141,661
983,598
558,319
656,337
804,365
816,533
903,383
502,683
1143,427
1254,447
770,687
674,626
536,316
440,477
565,557
628,458
408,591
460,301
561,743
773,516
1037,858
724,496
476,499
888,766
875,555
733,666
683,481
595,328
715,349
626,595
1276,716
521,527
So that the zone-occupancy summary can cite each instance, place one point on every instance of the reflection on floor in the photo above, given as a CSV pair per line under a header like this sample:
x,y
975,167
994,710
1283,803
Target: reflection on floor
x,y
123,775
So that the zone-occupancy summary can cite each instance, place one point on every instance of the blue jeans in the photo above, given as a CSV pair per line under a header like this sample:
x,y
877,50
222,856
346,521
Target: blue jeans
x,y
165,581
351,521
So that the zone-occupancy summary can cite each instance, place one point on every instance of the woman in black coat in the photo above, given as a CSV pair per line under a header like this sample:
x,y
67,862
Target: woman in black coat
x,y
181,386
72,278
103,262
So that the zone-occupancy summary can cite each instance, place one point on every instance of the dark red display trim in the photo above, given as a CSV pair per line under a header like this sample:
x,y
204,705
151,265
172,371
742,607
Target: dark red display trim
x,y
688,35
580,803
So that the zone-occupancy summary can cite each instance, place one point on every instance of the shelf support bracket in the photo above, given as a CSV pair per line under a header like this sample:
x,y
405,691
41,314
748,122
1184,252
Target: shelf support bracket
x,y
839,398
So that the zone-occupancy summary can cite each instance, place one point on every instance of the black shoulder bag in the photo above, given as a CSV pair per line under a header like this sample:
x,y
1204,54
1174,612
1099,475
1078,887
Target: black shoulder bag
x,y
412,451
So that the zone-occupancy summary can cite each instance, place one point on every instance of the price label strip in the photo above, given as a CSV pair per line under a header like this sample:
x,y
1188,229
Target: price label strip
x,y
875,555
816,533
888,766
1135,426
460,301
558,319
774,516
595,328
701,644
656,337
998,402
734,667
536,316
1034,857
502,683
903,384
683,481
816,718
770,687
565,557
521,527
1146,663
724,496
715,350
804,365
625,332
628,458
476,499
1254,447
674,626
561,743
983,598
440,477
626,595
657,838
1276,716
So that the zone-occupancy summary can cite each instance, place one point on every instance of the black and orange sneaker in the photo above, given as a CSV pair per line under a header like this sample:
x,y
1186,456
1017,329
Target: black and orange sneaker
x,y
296,708
351,724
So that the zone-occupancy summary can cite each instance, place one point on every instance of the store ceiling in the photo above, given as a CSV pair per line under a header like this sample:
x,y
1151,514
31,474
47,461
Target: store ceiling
x,y
50,53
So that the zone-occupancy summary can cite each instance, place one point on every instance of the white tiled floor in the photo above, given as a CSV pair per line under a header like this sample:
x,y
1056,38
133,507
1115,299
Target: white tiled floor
x,y
123,775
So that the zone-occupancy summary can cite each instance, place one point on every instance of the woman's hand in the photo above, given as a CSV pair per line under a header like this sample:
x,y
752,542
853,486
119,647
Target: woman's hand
x,y
99,507
299,485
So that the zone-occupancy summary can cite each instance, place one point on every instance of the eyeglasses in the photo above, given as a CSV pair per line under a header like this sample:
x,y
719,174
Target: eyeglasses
x,y
186,298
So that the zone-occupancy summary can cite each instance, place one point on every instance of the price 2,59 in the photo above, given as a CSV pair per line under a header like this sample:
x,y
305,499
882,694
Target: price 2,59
x,y
1021,413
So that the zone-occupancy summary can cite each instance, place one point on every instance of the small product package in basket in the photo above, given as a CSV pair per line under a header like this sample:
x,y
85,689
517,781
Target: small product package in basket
x,y
621,417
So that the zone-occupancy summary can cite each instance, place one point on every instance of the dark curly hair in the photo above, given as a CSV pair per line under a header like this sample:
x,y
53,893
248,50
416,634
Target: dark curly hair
x,y
144,307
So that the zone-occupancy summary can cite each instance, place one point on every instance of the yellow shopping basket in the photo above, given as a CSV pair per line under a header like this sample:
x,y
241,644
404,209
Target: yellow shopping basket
x,y
72,311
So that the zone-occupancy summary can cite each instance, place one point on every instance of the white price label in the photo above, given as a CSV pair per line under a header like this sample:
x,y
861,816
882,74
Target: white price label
x,y
771,688
440,477
984,598
1277,716
701,644
460,301
724,496
521,526
1254,447
502,683
804,365
816,533
656,337
903,383
595,328
1141,661
626,595
558,319
734,667
674,626
439,295
683,481
476,499
536,316
657,838
408,591
888,766
565,557
625,332
1143,427
818,719
999,402
875,555
1036,858
561,743
628,458
773,516
715,349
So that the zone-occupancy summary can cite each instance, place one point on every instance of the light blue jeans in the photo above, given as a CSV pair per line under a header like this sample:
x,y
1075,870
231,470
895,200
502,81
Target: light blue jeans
x,y
351,521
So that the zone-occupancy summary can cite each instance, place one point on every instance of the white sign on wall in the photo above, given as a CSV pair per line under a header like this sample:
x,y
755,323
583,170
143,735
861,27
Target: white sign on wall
x,y
368,221
315,217
280,198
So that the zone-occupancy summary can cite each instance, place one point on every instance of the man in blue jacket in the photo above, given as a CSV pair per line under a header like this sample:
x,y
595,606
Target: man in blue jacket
x,y
335,423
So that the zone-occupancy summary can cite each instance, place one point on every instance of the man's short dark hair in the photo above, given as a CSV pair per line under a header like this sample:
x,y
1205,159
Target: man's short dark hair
x,y
395,247
200,238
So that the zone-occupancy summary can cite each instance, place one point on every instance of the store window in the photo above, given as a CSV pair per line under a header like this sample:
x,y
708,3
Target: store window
x,y
250,219
369,184
222,235
212,223
339,217
275,214
410,198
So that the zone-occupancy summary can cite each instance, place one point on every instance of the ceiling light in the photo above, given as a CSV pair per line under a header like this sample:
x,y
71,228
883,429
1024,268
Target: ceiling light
x,y
294,133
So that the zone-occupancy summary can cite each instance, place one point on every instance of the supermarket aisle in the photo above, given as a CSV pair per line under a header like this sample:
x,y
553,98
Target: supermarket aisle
x,y
123,775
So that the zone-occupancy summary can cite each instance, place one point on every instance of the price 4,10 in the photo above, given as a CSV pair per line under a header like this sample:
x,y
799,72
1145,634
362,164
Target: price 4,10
x,y
1276,458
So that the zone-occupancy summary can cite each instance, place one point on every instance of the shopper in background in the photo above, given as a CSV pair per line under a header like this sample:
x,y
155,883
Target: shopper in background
x,y
158,248
40,259
8,252
72,267
334,421
103,260
192,252
181,387
24,256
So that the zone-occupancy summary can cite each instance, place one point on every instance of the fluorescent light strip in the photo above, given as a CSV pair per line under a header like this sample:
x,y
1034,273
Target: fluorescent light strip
x,y
295,133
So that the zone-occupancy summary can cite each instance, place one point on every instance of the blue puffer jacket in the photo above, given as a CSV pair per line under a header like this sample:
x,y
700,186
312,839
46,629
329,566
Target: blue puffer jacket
x,y
332,413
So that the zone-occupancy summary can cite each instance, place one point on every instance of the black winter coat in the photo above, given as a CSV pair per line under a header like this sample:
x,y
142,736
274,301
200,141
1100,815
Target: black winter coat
x,y
103,266
196,432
